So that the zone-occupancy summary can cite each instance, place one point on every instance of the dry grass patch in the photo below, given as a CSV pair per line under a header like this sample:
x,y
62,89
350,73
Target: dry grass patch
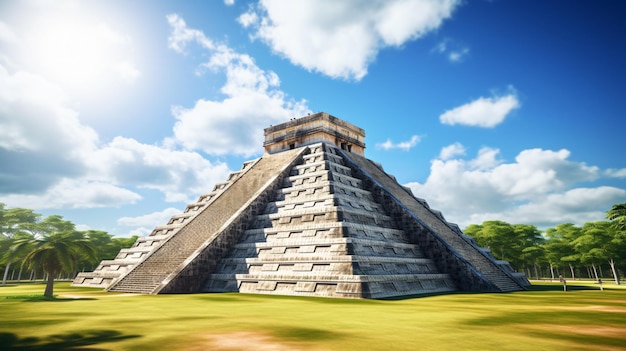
x,y
246,340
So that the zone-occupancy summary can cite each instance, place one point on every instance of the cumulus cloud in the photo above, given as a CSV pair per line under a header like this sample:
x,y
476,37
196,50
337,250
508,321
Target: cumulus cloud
x,y
540,187
41,138
482,112
341,38
54,161
180,35
149,220
143,225
404,145
448,152
253,100
74,193
180,175
616,173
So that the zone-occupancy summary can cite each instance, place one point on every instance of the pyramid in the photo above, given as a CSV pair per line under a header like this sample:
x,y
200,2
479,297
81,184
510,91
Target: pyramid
x,y
311,217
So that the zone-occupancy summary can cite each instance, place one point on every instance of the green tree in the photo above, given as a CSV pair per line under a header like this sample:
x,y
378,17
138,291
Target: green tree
x,y
534,255
617,216
500,238
16,220
14,223
592,244
617,249
56,250
527,246
124,243
107,247
561,248
556,248
507,241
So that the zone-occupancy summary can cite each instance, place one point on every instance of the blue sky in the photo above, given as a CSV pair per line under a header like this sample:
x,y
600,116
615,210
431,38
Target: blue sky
x,y
117,114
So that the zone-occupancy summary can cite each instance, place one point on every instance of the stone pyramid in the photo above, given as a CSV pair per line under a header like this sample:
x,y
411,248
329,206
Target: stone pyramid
x,y
311,217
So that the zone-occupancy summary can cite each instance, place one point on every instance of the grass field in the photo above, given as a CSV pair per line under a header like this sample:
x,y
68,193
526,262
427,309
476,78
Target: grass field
x,y
543,318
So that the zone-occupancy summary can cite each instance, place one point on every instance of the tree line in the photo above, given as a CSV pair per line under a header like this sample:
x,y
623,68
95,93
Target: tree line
x,y
33,247
594,250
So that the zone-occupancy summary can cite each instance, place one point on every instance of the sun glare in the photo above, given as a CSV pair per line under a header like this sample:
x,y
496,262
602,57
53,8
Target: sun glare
x,y
78,51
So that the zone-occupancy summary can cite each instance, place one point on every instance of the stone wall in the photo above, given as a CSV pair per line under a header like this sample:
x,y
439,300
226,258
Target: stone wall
x,y
470,267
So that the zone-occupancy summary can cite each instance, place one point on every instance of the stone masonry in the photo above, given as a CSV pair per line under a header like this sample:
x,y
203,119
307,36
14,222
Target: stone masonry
x,y
312,217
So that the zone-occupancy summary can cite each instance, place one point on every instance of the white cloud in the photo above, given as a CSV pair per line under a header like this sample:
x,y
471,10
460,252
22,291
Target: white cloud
x,y
143,225
149,220
539,188
458,56
248,19
404,145
253,101
7,34
140,231
456,149
341,38
452,50
58,162
616,173
577,205
72,194
482,112
179,175
181,35
41,138
229,2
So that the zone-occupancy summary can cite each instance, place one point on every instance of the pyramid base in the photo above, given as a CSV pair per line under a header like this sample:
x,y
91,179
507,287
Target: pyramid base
x,y
345,286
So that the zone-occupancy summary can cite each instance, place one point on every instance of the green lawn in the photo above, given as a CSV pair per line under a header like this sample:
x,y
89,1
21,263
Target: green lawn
x,y
544,318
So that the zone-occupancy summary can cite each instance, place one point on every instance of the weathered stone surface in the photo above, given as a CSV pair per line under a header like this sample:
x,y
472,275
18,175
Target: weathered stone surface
x,y
312,217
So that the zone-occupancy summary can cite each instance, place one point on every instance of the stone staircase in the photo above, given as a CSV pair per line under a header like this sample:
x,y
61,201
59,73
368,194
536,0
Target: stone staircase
x,y
432,223
160,271
312,217
324,235
109,271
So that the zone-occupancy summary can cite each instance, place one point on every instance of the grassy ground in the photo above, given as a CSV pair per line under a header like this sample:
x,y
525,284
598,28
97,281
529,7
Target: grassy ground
x,y
543,318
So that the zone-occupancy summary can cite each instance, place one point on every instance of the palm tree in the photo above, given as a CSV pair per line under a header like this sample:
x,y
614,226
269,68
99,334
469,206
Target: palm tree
x,y
55,253
11,255
617,216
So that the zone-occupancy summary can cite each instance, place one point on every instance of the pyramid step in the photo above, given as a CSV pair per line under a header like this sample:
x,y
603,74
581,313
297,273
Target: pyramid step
x,y
334,285
199,232
316,220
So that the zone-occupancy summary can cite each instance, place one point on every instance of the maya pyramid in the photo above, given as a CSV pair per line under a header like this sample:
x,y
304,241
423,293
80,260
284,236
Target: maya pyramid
x,y
311,217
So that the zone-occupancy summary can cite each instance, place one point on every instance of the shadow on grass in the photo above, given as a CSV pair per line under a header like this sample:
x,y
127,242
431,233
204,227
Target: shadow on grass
x,y
559,287
41,298
306,334
59,342
415,296
586,328
615,341
62,299
261,298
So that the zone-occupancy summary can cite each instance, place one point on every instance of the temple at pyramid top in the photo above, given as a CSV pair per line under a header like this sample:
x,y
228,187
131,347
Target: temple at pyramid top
x,y
311,217
317,128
